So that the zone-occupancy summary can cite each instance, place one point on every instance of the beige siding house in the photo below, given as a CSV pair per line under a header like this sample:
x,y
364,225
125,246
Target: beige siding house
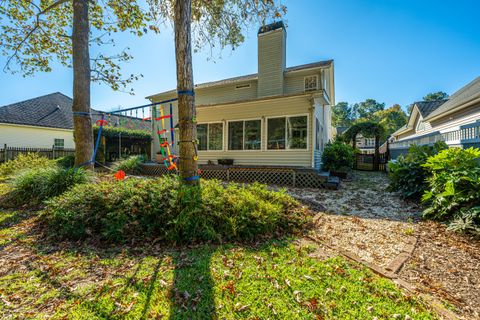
x,y
280,116
455,121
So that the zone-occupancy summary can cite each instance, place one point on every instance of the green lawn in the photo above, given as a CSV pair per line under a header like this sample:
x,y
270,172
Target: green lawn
x,y
274,279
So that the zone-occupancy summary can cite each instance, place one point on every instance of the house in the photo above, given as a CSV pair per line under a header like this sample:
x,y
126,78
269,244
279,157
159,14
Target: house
x,y
455,121
47,122
279,116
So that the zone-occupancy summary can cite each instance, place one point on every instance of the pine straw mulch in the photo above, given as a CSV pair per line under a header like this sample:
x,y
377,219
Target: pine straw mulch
x,y
363,218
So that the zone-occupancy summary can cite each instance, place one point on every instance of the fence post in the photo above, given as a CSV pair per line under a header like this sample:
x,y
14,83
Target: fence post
x,y
53,152
5,152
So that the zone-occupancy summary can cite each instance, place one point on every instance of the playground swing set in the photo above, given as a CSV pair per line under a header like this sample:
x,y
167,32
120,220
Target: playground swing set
x,y
157,115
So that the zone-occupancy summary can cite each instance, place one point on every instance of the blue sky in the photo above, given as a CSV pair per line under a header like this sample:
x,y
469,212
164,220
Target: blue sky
x,y
393,51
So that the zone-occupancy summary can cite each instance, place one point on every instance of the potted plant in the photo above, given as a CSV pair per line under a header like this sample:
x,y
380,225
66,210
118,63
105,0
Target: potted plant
x,y
338,159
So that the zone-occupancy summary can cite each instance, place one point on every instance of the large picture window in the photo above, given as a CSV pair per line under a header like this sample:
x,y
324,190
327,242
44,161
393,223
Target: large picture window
x,y
245,135
287,133
210,136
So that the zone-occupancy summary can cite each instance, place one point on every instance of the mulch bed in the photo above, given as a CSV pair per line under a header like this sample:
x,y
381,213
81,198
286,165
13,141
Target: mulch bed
x,y
362,217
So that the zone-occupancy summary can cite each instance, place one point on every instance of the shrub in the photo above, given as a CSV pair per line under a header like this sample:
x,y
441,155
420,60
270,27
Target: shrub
x,y
35,185
66,162
454,189
22,162
407,174
164,209
337,157
131,165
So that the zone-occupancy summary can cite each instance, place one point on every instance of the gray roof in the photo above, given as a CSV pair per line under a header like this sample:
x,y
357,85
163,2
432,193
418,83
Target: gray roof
x,y
466,94
427,107
55,111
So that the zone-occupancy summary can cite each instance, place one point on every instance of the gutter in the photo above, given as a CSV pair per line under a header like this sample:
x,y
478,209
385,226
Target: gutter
x,y
446,113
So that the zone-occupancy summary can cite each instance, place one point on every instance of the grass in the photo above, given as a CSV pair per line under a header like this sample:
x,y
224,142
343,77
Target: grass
x,y
274,279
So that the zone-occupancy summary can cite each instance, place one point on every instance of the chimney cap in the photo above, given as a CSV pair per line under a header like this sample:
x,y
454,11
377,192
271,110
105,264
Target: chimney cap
x,y
272,26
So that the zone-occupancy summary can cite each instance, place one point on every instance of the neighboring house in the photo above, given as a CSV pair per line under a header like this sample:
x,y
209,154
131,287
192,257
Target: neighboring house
x,y
47,122
279,116
365,145
455,121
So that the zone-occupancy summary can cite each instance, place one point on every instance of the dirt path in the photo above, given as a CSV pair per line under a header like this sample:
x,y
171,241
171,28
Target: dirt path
x,y
363,218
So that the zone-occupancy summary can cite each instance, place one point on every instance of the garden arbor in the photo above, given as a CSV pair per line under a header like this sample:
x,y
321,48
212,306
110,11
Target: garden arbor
x,y
367,129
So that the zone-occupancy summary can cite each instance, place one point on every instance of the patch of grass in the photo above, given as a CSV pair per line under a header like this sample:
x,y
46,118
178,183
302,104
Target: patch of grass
x,y
272,280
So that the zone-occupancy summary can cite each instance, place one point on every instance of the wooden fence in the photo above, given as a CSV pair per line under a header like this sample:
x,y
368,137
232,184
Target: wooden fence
x,y
10,153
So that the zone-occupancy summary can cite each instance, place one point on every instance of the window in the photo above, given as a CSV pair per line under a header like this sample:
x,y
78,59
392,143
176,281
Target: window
x,y
311,83
210,136
287,133
59,143
245,135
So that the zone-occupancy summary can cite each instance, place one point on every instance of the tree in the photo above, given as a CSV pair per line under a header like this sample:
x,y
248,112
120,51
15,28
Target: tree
x,y
434,96
342,115
391,119
367,108
37,33
205,23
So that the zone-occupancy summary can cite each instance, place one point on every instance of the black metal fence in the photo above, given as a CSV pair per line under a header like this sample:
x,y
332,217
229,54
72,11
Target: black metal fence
x,y
10,153
366,162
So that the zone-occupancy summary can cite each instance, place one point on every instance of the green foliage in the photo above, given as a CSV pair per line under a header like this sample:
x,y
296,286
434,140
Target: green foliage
x,y
367,129
22,162
167,210
337,157
66,162
131,165
454,188
367,108
35,185
390,119
125,133
342,115
407,174
434,96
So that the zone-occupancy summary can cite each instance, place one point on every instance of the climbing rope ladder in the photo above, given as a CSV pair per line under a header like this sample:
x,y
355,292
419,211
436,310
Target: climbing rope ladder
x,y
169,159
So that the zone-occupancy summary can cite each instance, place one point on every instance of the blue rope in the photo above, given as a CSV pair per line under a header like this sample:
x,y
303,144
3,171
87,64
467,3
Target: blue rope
x,y
99,134
191,178
186,92
81,113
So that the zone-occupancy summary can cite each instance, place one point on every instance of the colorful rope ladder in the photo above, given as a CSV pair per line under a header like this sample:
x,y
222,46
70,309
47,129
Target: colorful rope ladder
x,y
169,159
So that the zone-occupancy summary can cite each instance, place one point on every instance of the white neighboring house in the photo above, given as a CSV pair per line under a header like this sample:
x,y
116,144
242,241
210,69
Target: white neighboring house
x,y
41,122
455,121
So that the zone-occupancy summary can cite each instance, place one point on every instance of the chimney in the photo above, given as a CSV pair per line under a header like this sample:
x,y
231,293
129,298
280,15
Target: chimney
x,y
271,59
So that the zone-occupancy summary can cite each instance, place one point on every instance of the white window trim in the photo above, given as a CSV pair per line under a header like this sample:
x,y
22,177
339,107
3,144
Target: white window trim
x,y
58,147
286,133
305,78
208,136
261,135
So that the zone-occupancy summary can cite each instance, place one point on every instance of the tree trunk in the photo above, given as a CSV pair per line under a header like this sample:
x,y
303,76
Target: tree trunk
x,y
82,122
186,101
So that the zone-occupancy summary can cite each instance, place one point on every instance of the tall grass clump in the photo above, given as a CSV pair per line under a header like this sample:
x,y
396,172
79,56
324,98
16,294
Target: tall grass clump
x,y
131,165
166,210
23,162
35,185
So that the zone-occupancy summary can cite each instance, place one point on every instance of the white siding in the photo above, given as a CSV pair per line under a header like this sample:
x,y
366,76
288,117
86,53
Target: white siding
x,y
33,137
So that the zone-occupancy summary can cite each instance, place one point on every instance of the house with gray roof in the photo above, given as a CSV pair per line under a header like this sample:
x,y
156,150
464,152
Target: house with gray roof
x,y
455,121
47,121
279,116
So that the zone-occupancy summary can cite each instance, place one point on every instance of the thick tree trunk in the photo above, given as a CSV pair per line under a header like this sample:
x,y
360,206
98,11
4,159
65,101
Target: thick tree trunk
x,y
82,122
186,101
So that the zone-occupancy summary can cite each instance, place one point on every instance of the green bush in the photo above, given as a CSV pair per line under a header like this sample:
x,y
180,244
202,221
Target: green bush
x,y
66,162
337,157
407,174
131,165
22,162
166,210
35,185
454,189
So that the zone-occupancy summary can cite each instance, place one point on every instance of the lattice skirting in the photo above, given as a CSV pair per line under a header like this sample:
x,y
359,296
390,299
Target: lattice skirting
x,y
271,176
